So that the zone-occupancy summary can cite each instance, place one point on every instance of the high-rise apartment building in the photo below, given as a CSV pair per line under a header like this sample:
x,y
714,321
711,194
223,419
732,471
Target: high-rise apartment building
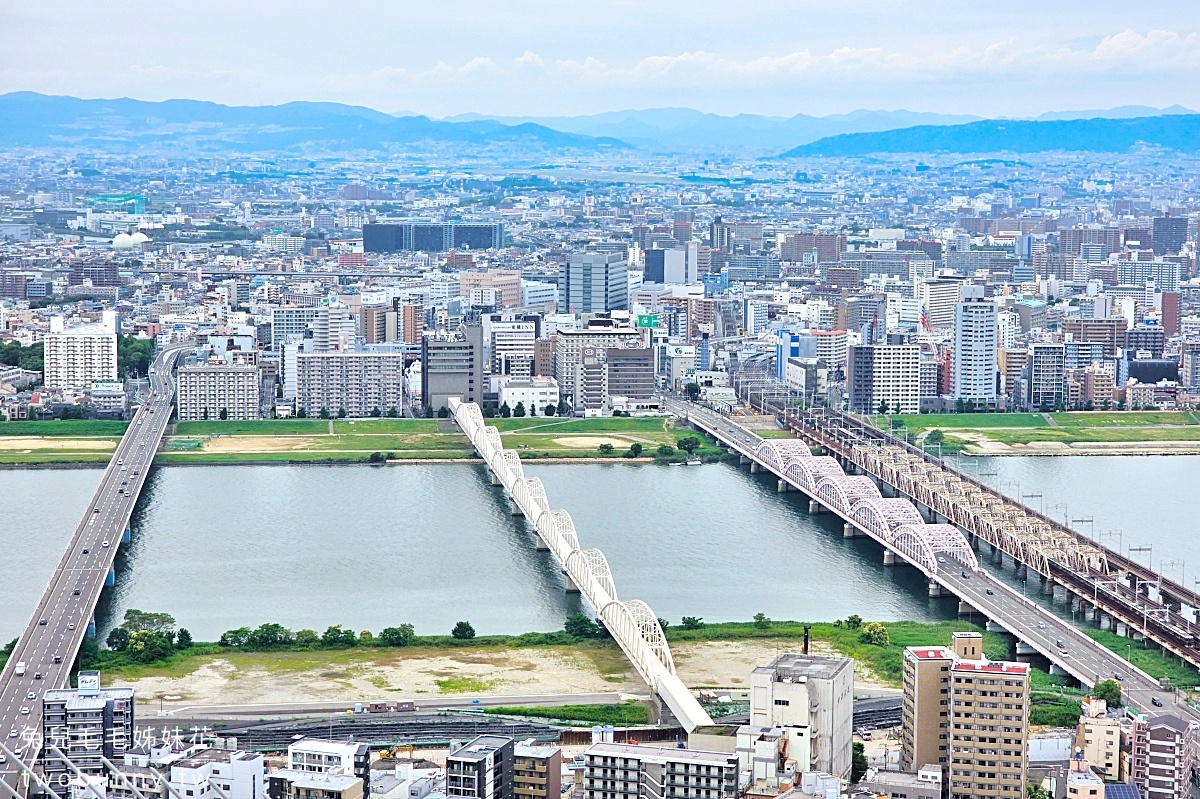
x,y
360,383
537,771
85,723
938,299
81,355
290,321
594,282
431,237
884,373
1109,331
1162,755
218,392
319,756
629,771
333,329
1169,234
967,714
1046,370
973,373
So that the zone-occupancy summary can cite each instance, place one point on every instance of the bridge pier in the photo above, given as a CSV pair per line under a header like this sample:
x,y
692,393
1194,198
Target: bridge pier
x,y
754,467
91,629
1121,629
516,509
815,507
743,460
995,627
1058,592
495,480
997,556
1025,649
935,590
126,536
964,609
1022,571
850,531
571,587
540,545
110,579
783,486
1048,586
890,559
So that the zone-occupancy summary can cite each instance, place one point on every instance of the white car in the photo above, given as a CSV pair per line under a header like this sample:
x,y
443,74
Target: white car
x,y
104,544
24,711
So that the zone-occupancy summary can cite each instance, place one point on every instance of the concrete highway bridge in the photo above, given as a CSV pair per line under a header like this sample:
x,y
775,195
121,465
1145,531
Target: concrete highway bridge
x,y
631,622
45,653
850,483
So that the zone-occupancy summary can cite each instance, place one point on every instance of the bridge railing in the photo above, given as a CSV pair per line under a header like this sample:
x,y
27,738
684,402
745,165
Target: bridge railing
x,y
632,623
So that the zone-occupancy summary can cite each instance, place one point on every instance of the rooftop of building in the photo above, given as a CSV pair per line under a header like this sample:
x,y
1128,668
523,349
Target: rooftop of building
x,y
326,747
991,667
480,747
789,667
534,749
664,753
205,756
930,652
316,780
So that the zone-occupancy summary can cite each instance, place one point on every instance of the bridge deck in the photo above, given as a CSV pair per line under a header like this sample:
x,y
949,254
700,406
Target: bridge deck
x,y
1029,622
65,613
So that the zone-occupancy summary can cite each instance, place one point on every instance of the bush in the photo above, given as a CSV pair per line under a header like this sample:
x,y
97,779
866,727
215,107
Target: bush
x,y
335,637
463,631
665,451
396,636
147,647
692,622
875,634
581,626
606,449
1109,691
118,639
688,444
183,639
761,622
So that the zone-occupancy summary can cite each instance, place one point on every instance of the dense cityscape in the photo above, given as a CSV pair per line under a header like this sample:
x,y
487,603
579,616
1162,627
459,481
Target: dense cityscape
x,y
542,329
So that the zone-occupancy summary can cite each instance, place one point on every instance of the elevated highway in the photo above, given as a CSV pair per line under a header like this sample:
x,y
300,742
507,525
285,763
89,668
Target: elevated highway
x,y
939,550
631,622
65,615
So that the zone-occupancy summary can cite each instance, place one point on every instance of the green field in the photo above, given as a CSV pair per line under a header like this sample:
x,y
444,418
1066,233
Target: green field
x,y
554,424
70,428
626,714
1075,427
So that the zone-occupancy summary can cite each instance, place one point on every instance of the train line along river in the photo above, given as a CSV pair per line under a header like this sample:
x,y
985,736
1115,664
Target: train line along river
x,y
367,547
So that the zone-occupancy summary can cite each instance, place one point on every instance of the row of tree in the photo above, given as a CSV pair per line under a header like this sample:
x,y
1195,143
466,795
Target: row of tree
x,y
869,632
147,637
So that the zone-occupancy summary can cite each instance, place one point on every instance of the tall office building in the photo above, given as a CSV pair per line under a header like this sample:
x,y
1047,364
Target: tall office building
x,y
973,374
569,344
506,282
511,345
594,282
482,769
884,373
85,723
1109,331
290,321
967,714
431,237
452,366
630,771
1169,234
81,355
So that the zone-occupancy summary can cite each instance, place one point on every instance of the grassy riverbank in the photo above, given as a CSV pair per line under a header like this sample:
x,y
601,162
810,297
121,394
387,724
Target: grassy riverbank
x,y
1074,432
350,441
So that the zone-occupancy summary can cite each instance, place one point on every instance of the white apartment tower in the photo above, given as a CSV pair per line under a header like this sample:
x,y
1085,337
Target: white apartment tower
x,y
82,355
973,376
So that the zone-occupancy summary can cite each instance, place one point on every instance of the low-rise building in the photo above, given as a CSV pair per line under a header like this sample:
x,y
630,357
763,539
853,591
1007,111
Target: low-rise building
x,y
812,699
533,393
629,771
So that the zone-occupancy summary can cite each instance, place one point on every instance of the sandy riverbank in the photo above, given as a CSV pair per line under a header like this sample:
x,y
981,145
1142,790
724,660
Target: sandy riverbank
x,y
400,673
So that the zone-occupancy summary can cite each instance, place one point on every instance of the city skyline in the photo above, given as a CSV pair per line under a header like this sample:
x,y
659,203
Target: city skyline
x,y
533,59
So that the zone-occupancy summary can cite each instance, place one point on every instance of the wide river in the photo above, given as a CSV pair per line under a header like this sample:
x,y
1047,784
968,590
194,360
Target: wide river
x,y
368,547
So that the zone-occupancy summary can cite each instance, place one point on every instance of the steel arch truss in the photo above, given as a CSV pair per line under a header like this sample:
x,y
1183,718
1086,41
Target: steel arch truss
x,y
808,472
840,493
775,453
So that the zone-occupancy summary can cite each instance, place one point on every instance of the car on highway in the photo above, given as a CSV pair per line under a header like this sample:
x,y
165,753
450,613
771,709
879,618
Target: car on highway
x,y
1154,700
86,550
70,625
42,623
965,576
12,733
990,592
58,658
1120,677
104,544
75,592
1041,625
1059,643
24,711
31,696
37,675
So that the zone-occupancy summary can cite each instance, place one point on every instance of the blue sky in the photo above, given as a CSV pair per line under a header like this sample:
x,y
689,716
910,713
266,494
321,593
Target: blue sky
x,y
526,57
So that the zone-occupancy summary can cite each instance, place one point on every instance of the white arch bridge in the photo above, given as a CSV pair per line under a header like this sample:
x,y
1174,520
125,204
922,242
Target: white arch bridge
x,y
632,623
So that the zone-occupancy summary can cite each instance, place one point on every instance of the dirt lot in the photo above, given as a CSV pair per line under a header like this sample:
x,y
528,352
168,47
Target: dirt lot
x,y
590,442
299,677
257,443
28,443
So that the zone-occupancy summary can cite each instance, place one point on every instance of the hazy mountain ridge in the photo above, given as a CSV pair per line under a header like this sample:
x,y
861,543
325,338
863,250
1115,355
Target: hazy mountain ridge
x,y
1172,131
37,120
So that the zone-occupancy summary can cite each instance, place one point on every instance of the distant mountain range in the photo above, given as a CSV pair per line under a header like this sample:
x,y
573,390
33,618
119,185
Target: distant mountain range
x,y
685,129
124,125
1176,131
39,120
